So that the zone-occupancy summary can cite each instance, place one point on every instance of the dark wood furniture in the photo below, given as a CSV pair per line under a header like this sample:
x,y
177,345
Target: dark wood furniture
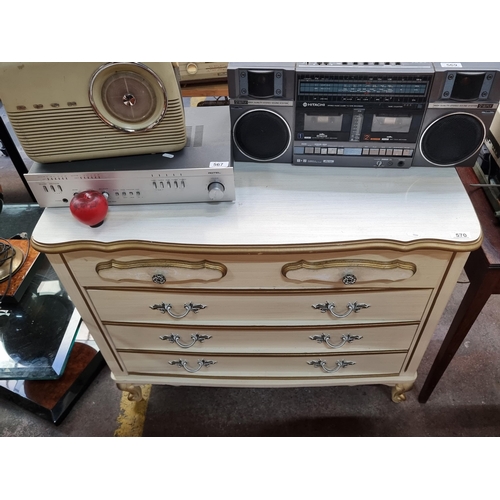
x,y
483,271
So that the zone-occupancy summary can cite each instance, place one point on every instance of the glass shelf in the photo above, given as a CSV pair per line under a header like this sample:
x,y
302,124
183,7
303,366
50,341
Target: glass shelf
x,y
38,332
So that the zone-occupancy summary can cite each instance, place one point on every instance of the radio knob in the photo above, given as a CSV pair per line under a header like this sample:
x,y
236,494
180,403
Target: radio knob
x,y
216,191
192,68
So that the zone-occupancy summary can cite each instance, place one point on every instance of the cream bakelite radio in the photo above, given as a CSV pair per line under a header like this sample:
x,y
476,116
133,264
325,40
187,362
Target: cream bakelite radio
x,y
75,111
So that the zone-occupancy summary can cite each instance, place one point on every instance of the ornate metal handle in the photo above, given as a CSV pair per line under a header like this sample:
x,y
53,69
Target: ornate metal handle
x,y
349,279
176,338
181,363
159,279
322,364
167,308
343,339
330,306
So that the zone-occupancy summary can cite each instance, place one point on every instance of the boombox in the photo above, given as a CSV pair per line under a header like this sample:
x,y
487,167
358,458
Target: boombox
x,y
462,105
262,112
75,111
392,114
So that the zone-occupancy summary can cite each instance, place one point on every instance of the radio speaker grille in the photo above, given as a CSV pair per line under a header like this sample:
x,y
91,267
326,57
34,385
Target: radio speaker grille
x,y
54,135
452,139
262,135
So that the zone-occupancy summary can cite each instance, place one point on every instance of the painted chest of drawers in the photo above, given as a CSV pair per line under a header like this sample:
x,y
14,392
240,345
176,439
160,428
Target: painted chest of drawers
x,y
312,276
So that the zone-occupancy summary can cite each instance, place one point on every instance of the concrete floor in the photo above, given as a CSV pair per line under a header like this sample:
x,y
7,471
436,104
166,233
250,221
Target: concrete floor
x,y
466,402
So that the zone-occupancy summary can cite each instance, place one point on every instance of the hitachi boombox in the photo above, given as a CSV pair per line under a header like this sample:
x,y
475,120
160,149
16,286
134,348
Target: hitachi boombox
x,y
360,114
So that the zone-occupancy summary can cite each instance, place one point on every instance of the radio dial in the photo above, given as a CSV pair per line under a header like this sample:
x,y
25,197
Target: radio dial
x,y
192,68
216,191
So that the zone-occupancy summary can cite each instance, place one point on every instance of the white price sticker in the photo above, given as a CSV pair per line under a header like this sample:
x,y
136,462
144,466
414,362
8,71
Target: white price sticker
x,y
219,164
460,236
451,65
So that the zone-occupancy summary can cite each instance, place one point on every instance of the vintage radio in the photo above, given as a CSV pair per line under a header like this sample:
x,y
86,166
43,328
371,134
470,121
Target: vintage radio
x,y
360,114
196,72
75,111
461,108
262,111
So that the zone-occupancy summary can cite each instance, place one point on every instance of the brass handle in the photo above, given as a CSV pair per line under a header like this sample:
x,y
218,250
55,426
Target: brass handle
x,y
167,308
330,306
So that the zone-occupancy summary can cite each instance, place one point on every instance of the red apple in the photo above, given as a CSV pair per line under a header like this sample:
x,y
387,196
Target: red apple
x,y
89,207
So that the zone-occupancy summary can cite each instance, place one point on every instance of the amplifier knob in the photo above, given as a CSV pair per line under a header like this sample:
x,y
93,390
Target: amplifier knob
x,y
216,191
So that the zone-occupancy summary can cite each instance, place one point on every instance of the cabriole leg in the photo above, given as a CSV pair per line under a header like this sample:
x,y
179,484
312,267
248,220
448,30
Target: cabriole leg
x,y
398,391
135,391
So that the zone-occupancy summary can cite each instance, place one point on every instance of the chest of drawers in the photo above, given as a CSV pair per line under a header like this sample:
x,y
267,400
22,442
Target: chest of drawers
x,y
293,284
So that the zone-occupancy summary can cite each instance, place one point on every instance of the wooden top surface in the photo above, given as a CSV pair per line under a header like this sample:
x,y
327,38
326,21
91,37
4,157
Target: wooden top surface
x,y
280,207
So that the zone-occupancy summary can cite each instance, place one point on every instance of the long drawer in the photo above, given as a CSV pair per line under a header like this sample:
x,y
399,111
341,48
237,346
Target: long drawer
x,y
271,308
347,365
378,269
261,340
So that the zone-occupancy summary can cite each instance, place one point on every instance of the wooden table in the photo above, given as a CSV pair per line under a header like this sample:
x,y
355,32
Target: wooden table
x,y
483,271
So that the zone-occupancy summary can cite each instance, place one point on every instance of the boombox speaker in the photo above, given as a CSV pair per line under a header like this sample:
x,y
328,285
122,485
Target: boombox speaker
x,y
462,104
262,99
75,111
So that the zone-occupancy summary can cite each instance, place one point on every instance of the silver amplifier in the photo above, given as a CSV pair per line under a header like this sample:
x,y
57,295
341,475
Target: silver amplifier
x,y
201,172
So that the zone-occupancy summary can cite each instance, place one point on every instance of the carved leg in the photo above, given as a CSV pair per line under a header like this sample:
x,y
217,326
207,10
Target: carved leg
x,y
398,391
135,391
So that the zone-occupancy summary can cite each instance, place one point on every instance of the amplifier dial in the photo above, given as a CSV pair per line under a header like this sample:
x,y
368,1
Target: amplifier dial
x,y
216,191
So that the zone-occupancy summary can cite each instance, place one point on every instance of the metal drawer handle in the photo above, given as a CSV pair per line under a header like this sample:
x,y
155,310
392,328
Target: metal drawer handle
x,y
181,363
159,279
167,308
322,364
330,306
177,339
349,279
343,339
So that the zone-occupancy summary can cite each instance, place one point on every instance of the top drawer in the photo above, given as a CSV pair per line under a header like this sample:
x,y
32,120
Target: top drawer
x,y
337,270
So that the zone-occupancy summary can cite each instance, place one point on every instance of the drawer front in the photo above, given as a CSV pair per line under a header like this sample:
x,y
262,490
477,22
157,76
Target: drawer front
x,y
379,269
308,366
261,340
276,309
